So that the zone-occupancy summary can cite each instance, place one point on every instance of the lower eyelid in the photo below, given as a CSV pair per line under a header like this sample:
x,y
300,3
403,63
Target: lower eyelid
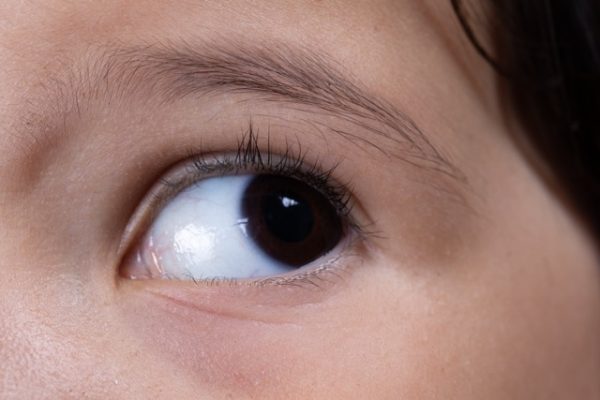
x,y
260,298
269,301
313,277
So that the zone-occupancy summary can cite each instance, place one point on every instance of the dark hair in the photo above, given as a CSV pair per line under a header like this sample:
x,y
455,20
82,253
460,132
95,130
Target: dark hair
x,y
548,53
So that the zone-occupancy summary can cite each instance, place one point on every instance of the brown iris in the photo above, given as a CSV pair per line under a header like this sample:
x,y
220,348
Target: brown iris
x,y
289,220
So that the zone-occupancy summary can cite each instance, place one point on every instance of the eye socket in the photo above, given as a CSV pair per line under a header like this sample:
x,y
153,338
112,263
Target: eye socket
x,y
239,227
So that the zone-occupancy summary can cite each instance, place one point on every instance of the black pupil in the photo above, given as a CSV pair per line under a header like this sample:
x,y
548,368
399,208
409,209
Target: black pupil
x,y
289,220
287,216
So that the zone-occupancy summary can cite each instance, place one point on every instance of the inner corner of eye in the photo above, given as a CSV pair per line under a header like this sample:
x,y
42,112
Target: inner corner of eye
x,y
237,227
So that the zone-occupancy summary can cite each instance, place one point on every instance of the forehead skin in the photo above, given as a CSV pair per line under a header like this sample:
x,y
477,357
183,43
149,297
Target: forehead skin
x,y
494,298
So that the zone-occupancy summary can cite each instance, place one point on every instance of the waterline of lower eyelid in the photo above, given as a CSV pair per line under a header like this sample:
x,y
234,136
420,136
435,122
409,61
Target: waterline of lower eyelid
x,y
254,300
347,256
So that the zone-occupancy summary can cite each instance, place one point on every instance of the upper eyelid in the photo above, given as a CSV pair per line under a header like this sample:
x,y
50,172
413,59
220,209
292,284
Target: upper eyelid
x,y
279,73
186,173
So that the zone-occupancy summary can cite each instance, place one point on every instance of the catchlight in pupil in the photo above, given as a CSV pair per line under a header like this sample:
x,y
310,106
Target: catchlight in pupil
x,y
287,216
289,220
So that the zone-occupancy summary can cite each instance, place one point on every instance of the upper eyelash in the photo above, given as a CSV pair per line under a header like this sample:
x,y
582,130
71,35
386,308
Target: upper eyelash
x,y
250,157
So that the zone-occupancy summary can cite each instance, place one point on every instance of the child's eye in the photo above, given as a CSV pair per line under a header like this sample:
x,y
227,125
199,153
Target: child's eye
x,y
241,227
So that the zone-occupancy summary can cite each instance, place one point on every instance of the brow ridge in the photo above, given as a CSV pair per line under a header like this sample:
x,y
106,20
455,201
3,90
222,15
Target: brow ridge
x,y
279,73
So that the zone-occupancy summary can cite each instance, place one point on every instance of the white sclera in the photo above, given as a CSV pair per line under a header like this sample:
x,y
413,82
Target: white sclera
x,y
201,234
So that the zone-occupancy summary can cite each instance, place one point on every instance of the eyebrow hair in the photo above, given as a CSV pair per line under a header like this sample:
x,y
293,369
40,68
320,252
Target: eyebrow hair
x,y
277,73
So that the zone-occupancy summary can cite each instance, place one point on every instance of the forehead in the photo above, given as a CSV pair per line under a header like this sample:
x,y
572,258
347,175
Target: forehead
x,y
380,41
393,48
43,35
76,23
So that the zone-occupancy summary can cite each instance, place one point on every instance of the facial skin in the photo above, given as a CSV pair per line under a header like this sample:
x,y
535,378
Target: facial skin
x,y
474,281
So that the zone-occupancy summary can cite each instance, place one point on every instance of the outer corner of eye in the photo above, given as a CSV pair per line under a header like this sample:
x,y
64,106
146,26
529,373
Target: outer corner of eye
x,y
237,227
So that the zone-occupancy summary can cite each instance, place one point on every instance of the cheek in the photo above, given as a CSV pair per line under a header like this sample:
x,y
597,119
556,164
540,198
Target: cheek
x,y
385,336
349,346
485,330
488,327
59,342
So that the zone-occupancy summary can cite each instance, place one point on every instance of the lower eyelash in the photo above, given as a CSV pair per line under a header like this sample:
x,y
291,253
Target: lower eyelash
x,y
317,278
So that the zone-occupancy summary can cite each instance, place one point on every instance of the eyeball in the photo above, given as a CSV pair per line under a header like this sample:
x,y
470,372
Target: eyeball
x,y
239,227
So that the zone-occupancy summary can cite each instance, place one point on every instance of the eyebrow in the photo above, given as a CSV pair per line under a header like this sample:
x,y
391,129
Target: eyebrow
x,y
275,73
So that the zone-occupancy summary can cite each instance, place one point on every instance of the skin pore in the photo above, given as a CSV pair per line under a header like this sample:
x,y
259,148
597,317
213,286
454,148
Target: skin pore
x,y
470,279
